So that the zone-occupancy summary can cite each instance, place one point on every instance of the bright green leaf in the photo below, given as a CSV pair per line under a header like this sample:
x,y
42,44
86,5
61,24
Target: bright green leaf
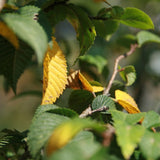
x,y
128,137
103,101
150,145
146,36
152,119
121,117
29,11
29,31
128,75
136,18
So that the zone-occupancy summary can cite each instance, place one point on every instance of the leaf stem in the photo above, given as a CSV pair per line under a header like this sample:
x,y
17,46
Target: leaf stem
x,y
115,71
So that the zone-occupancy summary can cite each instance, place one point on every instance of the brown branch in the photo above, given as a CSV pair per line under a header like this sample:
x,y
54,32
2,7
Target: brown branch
x,y
115,71
89,111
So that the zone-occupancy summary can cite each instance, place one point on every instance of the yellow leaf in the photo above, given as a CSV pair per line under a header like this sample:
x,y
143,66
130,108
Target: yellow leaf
x,y
54,74
61,136
8,34
126,101
77,81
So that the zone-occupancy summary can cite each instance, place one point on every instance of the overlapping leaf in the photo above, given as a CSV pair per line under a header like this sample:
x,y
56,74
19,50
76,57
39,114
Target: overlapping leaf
x,y
67,130
54,74
80,21
77,81
126,101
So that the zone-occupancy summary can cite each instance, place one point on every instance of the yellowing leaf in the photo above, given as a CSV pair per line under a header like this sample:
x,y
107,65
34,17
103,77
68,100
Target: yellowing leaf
x,y
54,74
126,101
7,33
77,81
61,136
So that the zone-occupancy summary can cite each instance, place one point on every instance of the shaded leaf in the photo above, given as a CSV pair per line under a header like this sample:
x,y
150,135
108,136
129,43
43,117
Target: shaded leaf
x,y
64,111
103,101
146,37
98,61
8,34
152,119
126,101
29,31
54,74
149,145
80,21
79,100
104,28
13,61
41,129
136,18
128,137
128,74
67,130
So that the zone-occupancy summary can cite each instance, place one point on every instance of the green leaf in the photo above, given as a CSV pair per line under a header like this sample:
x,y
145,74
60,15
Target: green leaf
x,y
64,111
80,21
128,137
79,100
152,119
69,129
98,61
29,11
41,129
82,147
103,101
149,145
44,108
13,61
131,119
104,28
146,37
136,18
128,75
29,31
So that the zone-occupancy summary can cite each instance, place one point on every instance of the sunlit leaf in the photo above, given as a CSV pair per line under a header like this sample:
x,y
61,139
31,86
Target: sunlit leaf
x,y
54,74
128,74
128,137
67,130
77,81
136,18
146,37
126,101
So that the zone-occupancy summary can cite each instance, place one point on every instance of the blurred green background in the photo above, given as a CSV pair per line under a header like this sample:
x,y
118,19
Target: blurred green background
x,y
17,113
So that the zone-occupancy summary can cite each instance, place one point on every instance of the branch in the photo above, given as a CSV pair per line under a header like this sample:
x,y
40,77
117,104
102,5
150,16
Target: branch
x,y
118,59
89,111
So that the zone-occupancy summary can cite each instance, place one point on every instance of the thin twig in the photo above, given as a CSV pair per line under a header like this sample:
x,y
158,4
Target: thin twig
x,y
89,111
132,49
